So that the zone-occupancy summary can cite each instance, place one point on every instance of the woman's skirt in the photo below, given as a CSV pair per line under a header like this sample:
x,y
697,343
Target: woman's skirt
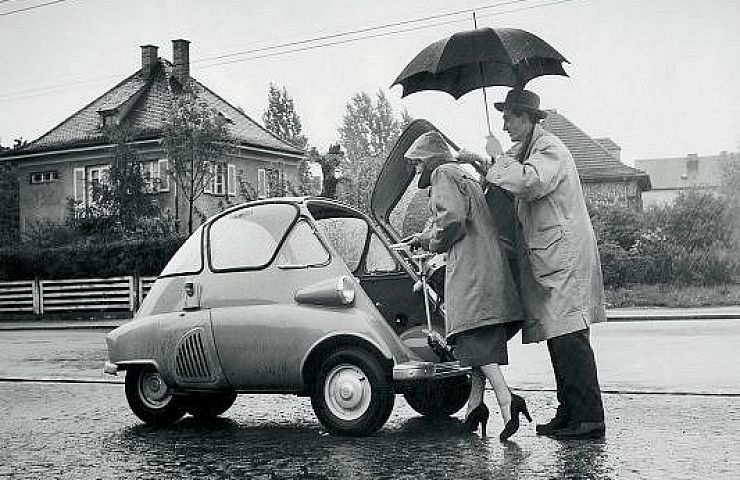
x,y
483,345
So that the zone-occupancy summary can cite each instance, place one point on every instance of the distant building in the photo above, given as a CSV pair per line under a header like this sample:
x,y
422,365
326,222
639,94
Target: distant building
x,y
670,175
65,162
605,179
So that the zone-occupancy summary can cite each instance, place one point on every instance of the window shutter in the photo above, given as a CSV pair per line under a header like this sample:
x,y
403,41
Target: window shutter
x,y
79,185
208,181
261,183
164,175
231,179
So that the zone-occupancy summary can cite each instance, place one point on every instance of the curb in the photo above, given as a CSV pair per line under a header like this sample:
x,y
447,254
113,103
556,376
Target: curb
x,y
611,317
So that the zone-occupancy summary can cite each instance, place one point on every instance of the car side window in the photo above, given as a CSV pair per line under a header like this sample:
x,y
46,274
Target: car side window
x,y
379,259
302,248
188,259
249,237
347,235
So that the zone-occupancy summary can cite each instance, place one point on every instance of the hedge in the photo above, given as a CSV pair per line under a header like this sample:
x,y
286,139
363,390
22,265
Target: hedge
x,y
89,260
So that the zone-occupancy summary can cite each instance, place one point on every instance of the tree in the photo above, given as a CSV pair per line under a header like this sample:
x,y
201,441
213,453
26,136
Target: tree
x,y
368,131
124,195
195,138
283,121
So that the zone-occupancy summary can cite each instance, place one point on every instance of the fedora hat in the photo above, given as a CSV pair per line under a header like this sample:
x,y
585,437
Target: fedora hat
x,y
429,145
523,99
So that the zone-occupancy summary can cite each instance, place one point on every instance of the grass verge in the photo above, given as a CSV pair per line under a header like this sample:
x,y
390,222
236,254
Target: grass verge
x,y
673,296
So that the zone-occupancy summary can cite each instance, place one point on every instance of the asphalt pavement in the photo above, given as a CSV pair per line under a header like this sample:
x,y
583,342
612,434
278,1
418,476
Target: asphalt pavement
x,y
671,390
49,322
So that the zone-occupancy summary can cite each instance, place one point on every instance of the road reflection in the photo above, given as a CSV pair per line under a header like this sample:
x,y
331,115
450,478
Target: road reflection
x,y
414,447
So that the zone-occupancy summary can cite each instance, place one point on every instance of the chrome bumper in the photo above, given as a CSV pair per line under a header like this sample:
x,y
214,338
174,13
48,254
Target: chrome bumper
x,y
110,368
427,370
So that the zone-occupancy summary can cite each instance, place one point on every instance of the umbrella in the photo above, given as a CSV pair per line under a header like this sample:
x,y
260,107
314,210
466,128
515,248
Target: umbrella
x,y
479,58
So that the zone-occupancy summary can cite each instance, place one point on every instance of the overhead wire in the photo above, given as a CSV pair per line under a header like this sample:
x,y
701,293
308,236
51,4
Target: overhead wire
x,y
32,7
366,37
308,44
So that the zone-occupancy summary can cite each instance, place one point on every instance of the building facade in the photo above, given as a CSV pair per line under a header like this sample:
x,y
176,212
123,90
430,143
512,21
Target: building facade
x,y
56,172
671,175
604,178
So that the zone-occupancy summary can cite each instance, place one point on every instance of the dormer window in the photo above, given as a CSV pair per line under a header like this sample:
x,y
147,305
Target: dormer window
x,y
109,117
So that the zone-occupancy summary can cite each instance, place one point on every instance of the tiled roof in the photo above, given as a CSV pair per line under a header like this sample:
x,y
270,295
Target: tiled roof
x,y
593,161
147,114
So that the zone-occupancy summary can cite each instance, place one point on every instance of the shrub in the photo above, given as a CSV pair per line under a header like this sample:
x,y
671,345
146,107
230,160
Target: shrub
x,y
89,259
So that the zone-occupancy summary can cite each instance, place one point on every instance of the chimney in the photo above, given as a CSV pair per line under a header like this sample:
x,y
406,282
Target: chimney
x,y
181,60
149,60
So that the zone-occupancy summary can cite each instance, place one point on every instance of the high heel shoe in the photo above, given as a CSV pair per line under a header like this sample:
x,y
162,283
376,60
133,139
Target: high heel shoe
x,y
518,405
479,415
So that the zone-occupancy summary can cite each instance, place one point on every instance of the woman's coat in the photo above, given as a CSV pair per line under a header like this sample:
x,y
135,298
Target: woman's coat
x,y
560,274
479,289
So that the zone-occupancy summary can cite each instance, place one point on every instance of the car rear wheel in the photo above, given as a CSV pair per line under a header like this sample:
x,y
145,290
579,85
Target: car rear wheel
x,y
209,405
352,395
149,398
440,398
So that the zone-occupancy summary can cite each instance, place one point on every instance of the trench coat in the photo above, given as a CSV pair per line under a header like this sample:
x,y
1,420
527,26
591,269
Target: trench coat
x,y
479,287
560,271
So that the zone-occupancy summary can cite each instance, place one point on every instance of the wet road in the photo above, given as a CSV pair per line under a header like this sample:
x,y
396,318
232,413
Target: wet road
x,y
86,431
661,356
73,431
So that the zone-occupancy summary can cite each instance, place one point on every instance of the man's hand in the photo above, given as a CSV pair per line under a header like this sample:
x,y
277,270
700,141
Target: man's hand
x,y
493,146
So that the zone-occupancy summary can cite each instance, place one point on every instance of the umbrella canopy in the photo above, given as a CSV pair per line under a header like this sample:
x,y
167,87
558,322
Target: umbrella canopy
x,y
480,58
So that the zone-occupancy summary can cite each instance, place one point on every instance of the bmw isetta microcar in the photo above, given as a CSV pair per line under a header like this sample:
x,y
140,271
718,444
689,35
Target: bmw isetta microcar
x,y
293,295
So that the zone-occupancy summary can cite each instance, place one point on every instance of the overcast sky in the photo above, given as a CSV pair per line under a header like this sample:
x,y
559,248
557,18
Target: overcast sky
x,y
660,77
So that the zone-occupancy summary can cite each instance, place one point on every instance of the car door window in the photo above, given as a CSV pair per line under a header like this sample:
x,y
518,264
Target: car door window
x,y
379,259
248,238
302,248
188,259
347,235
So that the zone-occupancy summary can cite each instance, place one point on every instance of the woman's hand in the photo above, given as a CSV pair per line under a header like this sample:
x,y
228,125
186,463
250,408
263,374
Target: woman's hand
x,y
479,162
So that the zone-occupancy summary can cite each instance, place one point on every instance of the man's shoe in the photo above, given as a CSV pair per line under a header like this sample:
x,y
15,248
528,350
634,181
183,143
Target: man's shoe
x,y
558,422
580,430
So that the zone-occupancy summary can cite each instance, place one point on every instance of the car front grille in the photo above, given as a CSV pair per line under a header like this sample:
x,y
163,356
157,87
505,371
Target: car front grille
x,y
192,359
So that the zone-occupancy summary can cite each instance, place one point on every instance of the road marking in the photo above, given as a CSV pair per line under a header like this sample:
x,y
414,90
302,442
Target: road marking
x,y
62,380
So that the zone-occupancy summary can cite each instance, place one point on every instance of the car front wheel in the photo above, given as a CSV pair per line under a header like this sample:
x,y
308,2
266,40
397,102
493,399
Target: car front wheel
x,y
209,405
148,396
352,395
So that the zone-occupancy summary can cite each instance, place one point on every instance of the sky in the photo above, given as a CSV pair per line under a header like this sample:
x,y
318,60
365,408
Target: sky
x,y
659,77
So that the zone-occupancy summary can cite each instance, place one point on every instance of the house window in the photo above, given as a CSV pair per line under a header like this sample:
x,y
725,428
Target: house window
x,y
219,179
155,175
44,177
270,182
222,181
84,179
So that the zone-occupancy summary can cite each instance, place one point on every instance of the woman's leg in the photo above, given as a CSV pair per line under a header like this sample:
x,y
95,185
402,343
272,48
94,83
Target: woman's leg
x,y
477,386
493,373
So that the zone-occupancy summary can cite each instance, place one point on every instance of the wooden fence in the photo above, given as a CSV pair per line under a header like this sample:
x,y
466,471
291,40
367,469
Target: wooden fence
x,y
42,296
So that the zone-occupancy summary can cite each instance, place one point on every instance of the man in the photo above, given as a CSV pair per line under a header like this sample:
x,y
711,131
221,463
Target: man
x,y
560,272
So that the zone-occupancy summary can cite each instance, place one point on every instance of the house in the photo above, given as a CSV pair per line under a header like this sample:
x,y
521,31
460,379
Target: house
x,y
604,178
670,175
59,168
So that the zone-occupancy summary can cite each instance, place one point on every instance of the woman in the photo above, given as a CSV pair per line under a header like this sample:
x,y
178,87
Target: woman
x,y
482,302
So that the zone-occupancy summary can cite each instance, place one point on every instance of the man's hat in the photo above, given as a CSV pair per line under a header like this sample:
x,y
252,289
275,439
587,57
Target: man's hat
x,y
429,145
523,99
